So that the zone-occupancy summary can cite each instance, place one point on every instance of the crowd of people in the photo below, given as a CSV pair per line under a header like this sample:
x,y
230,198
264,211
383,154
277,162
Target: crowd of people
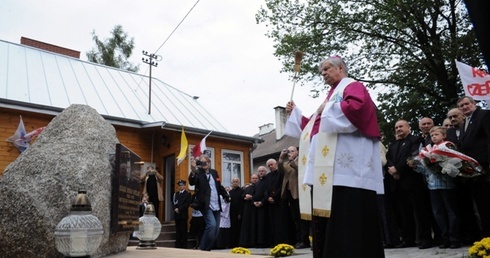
x,y
437,184
263,213
343,193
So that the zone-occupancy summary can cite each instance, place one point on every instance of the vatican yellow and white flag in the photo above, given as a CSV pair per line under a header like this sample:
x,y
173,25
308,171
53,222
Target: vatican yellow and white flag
x,y
183,147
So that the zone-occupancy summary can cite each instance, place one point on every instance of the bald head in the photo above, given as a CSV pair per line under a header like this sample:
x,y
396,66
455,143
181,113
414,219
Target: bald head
x,y
402,129
456,116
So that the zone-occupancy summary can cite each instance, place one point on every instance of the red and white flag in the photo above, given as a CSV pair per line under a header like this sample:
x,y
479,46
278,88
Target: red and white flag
x,y
199,148
476,83
21,139
16,139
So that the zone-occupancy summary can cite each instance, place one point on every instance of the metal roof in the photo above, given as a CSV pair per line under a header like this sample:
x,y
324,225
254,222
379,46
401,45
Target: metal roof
x,y
39,78
271,147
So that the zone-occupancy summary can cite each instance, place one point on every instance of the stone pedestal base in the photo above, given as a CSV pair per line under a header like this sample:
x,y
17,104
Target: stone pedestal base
x,y
147,245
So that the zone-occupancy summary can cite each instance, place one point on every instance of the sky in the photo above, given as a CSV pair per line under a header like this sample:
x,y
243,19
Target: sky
x,y
218,52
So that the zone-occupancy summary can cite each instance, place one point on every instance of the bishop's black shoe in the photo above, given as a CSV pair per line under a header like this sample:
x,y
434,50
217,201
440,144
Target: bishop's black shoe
x,y
425,245
406,244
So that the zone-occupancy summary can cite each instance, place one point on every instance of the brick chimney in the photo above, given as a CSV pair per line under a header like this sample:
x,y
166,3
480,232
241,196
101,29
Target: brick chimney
x,y
281,118
49,47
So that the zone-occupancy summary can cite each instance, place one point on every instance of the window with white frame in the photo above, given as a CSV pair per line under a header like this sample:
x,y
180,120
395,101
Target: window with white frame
x,y
232,166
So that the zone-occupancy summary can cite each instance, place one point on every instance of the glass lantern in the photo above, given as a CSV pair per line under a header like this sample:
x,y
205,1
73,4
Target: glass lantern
x,y
80,233
149,228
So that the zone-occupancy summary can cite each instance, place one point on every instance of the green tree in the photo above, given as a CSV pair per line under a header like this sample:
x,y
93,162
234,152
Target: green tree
x,y
403,49
113,51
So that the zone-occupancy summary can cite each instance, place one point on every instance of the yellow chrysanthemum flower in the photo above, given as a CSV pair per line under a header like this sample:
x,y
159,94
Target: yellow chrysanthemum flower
x,y
282,250
240,250
480,249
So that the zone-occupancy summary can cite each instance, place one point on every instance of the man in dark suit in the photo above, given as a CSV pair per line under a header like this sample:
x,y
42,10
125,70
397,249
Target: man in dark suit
x,y
469,229
182,200
474,141
408,188
208,188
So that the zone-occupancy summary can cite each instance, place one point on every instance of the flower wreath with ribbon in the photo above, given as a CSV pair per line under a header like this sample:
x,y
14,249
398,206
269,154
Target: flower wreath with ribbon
x,y
444,158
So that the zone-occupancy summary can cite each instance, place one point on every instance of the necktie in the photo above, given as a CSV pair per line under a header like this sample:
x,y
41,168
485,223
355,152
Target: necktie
x,y
466,123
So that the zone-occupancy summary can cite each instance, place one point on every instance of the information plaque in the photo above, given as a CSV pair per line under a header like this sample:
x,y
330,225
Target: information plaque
x,y
125,190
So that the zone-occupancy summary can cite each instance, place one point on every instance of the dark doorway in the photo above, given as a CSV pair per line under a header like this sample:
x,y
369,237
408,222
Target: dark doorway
x,y
169,172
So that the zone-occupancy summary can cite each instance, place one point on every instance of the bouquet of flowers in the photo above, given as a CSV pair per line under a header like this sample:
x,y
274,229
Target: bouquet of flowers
x,y
443,158
480,249
282,250
240,250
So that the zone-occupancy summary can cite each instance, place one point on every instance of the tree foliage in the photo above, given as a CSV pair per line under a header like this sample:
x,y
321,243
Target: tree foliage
x,y
113,51
402,49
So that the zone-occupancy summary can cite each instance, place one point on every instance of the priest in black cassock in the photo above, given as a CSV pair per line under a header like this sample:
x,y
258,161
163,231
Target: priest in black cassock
x,y
260,206
278,219
248,232
236,209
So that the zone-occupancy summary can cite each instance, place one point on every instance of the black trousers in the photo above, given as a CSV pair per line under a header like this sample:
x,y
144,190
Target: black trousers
x,y
277,223
319,225
181,233
156,203
415,215
301,230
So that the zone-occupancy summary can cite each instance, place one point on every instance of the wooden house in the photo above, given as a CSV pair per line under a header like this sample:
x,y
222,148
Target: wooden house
x,y
38,84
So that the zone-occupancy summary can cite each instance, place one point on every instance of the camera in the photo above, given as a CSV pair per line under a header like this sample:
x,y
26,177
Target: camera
x,y
201,163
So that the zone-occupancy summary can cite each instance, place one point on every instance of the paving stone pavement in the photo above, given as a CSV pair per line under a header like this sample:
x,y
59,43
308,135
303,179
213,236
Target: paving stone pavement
x,y
413,252
433,252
